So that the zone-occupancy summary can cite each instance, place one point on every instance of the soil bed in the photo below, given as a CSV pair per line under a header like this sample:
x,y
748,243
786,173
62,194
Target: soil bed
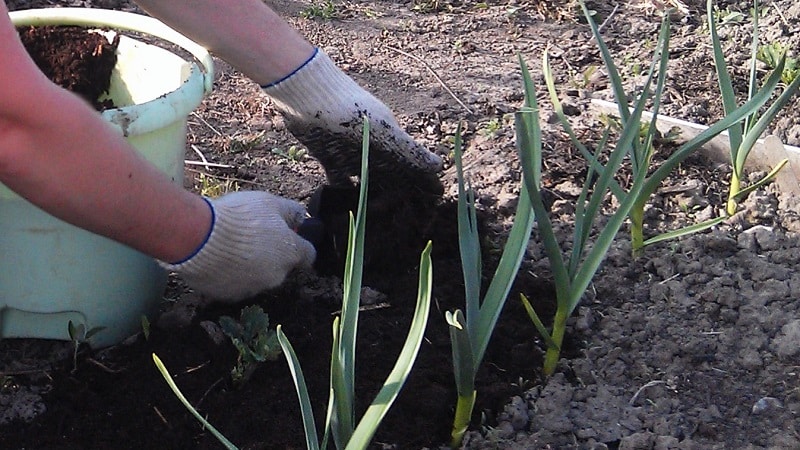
x,y
692,346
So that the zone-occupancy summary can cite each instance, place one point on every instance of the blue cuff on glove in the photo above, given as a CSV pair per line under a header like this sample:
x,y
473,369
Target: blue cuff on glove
x,y
274,83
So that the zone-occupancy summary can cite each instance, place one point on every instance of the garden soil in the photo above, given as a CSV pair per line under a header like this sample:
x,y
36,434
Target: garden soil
x,y
73,59
694,345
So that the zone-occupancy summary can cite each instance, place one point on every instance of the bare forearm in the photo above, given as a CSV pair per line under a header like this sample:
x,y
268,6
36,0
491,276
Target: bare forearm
x,y
74,166
245,33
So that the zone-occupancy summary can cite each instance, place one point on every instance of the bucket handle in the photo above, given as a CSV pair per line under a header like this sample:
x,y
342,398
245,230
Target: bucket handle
x,y
120,20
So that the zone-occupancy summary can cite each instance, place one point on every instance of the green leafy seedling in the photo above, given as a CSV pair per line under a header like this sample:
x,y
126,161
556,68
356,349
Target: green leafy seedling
x,y
145,327
212,186
491,128
79,335
253,339
771,55
325,10
294,153
245,143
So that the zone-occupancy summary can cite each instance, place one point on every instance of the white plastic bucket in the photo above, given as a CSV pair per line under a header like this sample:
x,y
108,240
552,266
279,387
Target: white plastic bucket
x,y
51,272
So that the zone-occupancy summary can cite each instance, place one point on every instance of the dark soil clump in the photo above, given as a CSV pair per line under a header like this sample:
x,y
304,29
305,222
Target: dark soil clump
x,y
74,59
400,221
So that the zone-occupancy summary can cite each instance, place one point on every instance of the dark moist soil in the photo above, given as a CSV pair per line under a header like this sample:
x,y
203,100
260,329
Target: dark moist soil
x,y
119,389
74,59
692,347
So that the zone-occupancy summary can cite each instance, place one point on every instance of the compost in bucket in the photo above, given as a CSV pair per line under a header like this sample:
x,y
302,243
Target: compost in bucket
x,y
74,58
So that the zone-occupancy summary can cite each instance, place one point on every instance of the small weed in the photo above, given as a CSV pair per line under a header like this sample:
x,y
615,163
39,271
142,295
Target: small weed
x,y
430,6
491,128
211,186
727,17
615,124
511,11
146,327
634,67
79,335
253,339
294,153
582,80
238,144
771,54
325,10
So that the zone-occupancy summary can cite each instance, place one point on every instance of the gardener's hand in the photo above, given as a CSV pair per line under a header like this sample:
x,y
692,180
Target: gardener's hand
x,y
324,110
251,247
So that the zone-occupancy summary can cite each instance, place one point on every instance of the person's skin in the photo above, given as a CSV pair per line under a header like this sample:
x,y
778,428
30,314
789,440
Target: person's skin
x,y
59,154
247,34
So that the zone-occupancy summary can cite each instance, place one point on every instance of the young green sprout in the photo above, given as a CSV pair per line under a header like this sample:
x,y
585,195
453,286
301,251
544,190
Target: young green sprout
x,y
253,339
79,335
573,275
470,332
743,136
340,419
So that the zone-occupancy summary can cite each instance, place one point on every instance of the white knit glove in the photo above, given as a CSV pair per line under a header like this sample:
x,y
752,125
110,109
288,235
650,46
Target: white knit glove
x,y
323,109
251,247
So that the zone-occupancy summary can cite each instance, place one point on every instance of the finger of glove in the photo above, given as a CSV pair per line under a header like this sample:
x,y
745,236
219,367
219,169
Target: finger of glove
x,y
290,211
306,253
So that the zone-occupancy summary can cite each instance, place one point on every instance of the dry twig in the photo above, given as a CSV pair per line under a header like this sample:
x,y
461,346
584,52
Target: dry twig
x,y
435,75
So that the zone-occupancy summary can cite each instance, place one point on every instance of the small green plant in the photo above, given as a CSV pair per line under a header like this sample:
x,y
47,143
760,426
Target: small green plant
x,y
252,338
491,128
325,10
145,327
470,331
771,55
245,142
294,153
79,335
212,186
670,137
728,17
585,77
429,6
743,136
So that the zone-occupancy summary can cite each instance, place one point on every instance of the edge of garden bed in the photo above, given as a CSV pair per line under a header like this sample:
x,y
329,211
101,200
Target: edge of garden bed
x,y
765,155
